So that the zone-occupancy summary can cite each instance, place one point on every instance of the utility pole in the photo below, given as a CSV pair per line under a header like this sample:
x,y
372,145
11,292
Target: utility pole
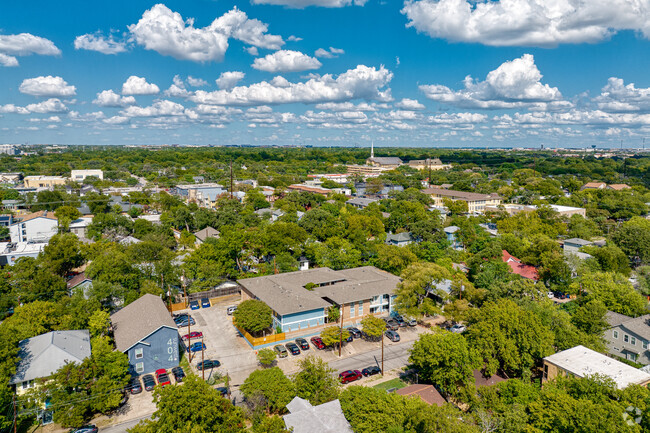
x,y
202,359
382,353
15,417
341,333
429,171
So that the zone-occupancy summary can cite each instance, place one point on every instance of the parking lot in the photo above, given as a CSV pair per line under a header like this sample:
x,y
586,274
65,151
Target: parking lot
x,y
222,342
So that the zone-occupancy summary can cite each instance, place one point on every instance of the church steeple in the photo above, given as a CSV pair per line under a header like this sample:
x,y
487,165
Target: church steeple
x,y
372,149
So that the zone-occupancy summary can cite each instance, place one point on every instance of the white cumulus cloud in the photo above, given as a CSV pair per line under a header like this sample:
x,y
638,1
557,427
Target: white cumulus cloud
x,y
527,22
511,85
286,61
363,82
108,98
8,61
52,105
409,104
99,43
24,44
618,97
300,4
166,32
196,82
329,54
158,108
47,86
228,80
138,86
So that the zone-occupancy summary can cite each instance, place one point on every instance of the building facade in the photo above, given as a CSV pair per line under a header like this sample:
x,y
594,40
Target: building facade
x,y
628,337
81,175
36,227
475,202
43,181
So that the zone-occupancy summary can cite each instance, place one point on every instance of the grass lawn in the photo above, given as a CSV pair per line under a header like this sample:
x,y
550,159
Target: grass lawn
x,y
393,383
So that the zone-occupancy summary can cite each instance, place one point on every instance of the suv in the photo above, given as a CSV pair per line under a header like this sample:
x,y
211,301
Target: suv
x,y
392,324
205,303
355,332
370,371
293,348
207,364
231,310
401,322
178,373
411,321
194,305
282,352
318,342
392,335
302,343
350,376
149,382
163,377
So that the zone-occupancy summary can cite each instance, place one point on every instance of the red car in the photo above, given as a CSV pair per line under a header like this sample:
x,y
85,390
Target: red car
x,y
163,377
318,342
350,376
195,334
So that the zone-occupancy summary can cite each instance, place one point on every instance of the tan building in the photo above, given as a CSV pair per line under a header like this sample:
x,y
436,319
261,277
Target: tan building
x,y
618,186
513,209
389,162
426,164
367,169
582,362
44,181
475,202
594,185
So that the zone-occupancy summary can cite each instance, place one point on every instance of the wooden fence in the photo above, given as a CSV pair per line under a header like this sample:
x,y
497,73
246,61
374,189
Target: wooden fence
x,y
261,341
214,293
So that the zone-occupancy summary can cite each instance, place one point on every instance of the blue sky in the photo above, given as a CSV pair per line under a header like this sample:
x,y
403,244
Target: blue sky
x,y
439,73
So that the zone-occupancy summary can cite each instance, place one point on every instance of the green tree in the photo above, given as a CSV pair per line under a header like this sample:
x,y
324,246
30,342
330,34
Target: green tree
x,y
610,258
634,239
417,281
204,410
332,335
456,207
444,359
373,327
615,291
266,357
98,323
271,384
63,253
65,215
394,259
253,316
590,317
316,381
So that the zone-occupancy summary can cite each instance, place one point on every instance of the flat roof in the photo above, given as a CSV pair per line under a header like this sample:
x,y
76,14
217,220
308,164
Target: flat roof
x,y
286,293
582,362
463,195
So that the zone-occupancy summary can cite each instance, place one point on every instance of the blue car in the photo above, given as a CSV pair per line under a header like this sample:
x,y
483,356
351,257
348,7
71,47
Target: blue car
x,y
184,323
197,347
205,303
194,305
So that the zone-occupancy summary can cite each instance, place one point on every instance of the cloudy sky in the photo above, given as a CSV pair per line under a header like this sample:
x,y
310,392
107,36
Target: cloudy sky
x,y
442,73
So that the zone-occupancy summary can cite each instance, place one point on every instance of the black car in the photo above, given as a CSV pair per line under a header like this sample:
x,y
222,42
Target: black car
x,y
149,382
135,387
370,371
302,343
223,390
207,364
355,332
178,373
401,322
349,338
293,348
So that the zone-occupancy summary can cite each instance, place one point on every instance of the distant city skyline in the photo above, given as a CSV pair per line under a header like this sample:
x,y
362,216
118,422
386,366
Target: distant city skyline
x,y
419,73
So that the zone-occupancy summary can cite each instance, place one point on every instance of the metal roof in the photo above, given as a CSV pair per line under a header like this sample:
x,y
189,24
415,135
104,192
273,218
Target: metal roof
x,y
324,418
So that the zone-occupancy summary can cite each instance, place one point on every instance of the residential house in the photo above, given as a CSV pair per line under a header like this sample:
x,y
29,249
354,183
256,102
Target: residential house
x,y
400,239
324,418
36,227
593,185
41,356
205,194
13,205
6,220
206,233
475,202
340,178
454,241
628,337
573,245
129,240
87,189
426,393
79,282
12,178
81,175
145,331
361,202
362,190
313,189
517,267
300,299
12,251
513,209
581,362
80,226
618,186
43,181
426,164
198,179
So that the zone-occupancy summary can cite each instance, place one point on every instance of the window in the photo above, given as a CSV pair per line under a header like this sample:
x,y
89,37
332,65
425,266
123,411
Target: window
x,y
645,344
626,338
139,367
616,334
351,309
138,353
360,308
28,384
633,342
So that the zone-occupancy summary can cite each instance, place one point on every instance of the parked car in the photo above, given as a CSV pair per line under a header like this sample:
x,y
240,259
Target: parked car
x,y
392,335
163,377
194,305
179,316
302,343
458,328
184,323
293,348
231,310
550,295
282,352
178,373
207,364
411,321
392,324
197,347
350,376
355,332
135,387
318,342
149,382
205,303
371,371
401,322
193,334
91,428
223,390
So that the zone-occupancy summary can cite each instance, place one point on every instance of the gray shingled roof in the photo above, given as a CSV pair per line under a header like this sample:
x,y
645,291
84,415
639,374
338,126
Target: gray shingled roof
x,y
639,325
387,160
286,293
399,237
138,320
44,354
577,241
207,232
461,195
324,418
360,201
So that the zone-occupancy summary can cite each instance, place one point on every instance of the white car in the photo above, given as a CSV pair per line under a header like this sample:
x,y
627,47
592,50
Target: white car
x,y
458,328
231,310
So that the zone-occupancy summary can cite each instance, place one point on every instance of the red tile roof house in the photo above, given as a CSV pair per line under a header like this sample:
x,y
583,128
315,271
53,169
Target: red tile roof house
x,y
519,268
